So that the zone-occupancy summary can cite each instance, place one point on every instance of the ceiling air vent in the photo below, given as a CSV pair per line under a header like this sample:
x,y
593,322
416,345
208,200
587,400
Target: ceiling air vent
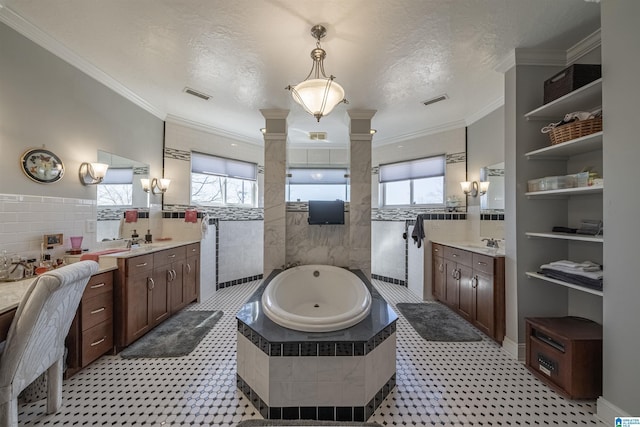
x,y
436,99
318,136
196,93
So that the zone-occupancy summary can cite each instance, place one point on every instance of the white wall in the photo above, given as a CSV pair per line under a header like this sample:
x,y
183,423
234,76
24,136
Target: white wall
x,y
185,138
621,92
46,101
448,142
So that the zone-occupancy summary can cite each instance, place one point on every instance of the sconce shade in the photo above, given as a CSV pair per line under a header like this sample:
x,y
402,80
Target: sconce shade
x,y
92,173
484,186
470,188
155,186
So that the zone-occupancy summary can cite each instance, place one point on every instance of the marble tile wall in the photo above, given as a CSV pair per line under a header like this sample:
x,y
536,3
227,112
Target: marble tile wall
x,y
316,244
240,250
388,249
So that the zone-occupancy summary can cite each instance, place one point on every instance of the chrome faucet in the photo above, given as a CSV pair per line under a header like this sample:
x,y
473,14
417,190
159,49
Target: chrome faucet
x,y
491,243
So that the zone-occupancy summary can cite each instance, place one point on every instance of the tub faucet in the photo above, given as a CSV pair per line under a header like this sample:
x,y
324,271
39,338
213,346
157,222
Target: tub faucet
x,y
491,243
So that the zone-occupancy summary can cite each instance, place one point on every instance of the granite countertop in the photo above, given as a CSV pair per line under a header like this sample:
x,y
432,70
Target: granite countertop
x,y
147,248
477,247
12,292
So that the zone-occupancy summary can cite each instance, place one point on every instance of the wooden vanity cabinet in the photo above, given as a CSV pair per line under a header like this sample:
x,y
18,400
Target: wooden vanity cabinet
x,y
91,333
439,272
151,287
191,274
134,292
168,277
473,287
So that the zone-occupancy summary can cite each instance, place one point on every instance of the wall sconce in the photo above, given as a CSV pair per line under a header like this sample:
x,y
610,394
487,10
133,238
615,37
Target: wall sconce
x,y
92,173
471,188
156,186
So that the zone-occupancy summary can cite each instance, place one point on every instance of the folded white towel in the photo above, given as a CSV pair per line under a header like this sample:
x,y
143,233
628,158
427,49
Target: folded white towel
x,y
597,275
582,266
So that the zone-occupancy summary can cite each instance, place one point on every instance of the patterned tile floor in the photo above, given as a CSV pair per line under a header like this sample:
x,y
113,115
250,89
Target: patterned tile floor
x,y
466,384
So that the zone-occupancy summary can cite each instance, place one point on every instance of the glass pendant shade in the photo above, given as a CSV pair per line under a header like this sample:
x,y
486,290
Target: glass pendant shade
x,y
318,96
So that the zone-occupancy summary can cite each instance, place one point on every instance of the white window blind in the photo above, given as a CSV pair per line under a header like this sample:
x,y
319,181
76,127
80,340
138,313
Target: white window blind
x,y
317,176
427,167
118,176
220,166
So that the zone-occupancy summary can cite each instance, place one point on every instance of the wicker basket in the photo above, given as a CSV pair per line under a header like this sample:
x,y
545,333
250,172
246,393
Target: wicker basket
x,y
574,130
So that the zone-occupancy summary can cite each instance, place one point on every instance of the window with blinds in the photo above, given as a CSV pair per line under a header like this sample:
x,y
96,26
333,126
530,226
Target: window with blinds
x,y
305,184
221,181
116,189
418,182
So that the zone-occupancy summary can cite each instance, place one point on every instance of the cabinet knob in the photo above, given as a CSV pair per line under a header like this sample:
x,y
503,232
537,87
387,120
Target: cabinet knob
x,y
172,256
150,283
97,285
482,263
141,265
98,310
188,268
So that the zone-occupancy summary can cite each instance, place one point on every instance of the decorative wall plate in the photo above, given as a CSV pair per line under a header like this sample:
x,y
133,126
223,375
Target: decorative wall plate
x,y
42,166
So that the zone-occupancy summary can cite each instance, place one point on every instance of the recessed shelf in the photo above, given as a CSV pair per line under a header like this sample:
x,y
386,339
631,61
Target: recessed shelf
x,y
565,192
586,98
567,149
567,236
561,283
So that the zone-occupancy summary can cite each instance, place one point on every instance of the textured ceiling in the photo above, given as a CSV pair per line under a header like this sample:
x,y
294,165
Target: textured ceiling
x,y
389,55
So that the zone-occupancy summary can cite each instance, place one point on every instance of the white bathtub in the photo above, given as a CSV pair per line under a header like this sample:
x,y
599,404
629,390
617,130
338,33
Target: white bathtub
x,y
316,298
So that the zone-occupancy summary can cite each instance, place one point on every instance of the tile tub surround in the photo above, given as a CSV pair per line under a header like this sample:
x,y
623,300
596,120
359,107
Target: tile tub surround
x,y
341,375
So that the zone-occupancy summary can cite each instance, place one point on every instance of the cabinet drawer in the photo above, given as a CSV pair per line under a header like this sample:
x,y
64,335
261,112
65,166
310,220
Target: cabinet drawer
x,y
193,249
483,263
458,255
97,341
96,310
139,264
169,255
98,284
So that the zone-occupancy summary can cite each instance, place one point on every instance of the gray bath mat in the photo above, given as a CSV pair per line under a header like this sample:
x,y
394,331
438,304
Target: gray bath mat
x,y
435,322
260,423
175,337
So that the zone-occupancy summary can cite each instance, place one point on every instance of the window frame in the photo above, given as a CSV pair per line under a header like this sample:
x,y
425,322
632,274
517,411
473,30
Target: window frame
x,y
383,186
225,183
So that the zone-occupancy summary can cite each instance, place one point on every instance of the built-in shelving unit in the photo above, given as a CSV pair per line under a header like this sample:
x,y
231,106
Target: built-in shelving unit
x,y
567,236
561,283
566,192
567,149
586,98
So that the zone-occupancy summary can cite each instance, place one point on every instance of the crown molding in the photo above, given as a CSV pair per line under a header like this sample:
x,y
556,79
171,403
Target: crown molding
x,y
584,46
487,109
543,57
361,114
274,113
181,121
457,124
41,38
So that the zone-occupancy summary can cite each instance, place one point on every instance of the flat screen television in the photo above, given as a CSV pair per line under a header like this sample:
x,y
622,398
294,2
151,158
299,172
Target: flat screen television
x,y
326,212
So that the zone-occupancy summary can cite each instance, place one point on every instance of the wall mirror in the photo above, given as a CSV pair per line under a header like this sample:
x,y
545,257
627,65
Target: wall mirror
x,y
493,200
120,191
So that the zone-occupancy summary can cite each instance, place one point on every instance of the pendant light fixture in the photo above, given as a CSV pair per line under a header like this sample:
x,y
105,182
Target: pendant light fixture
x,y
318,94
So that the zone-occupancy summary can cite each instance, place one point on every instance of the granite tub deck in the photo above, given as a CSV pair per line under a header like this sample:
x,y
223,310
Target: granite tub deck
x,y
341,375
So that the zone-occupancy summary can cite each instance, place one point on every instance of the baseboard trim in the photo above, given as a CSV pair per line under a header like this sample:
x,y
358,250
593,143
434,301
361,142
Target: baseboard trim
x,y
517,351
607,412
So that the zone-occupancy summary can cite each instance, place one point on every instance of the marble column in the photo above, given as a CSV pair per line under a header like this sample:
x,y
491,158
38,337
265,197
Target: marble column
x,y
360,181
275,170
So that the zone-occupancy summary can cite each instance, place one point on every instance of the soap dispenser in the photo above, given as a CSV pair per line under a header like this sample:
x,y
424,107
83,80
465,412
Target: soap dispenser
x,y
148,238
134,235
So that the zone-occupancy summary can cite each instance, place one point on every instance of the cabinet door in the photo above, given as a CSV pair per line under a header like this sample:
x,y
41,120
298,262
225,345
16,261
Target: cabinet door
x,y
465,291
138,318
159,299
451,284
439,280
483,304
191,278
176,286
